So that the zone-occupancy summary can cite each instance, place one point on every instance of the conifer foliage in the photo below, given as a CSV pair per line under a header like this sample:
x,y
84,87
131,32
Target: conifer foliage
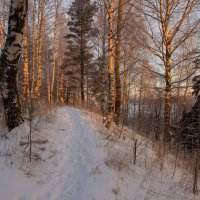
x,y
78,55
188,132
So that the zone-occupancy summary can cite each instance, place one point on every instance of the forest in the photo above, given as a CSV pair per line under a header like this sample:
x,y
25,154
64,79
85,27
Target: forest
x,y
131,66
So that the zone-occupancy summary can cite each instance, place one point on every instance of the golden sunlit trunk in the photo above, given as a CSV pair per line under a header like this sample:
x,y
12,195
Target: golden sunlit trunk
x,y
117,64
26,67
39,50
54,51
111,106
33,50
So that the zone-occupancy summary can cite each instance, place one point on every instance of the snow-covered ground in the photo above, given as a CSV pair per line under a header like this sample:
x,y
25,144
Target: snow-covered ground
x,y
78,163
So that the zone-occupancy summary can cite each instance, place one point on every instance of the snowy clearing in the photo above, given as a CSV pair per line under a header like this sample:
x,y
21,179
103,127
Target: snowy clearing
x,y
77,163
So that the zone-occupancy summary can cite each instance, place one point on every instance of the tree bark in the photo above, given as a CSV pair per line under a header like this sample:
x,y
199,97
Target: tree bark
x,y
54,49
167,112
61,87
125,90
26,65
103,83
48,83
82,66
39,49
8,63
33,50
167,63
82,81
117,64
1,35
111,106
140,94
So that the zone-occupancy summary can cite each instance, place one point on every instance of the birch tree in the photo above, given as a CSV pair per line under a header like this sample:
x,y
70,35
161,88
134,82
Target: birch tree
x,y
101,43
33,49
167,30
8,63
1,35
118,62
4,10
41,11
103,63
111,79
57,5
26,89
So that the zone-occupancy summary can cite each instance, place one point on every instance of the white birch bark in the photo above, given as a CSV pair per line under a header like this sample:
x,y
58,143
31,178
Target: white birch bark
x,y
8,63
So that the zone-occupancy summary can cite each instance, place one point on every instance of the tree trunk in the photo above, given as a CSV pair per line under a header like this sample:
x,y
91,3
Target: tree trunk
x,y
8,63
124,99
54,50
48,83
117,64
124,88
82,81
176,103
33,50
61,88
82,66
140,94
111,106
168,63
26,71
59,75
39,49
1,35
167,112
103,65
61,83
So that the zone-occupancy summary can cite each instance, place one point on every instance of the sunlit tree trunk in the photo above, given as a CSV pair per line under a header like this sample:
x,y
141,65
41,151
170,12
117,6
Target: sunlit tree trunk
x,y
8,63
166,37
33,49
54,49
26,64
117,63
168,88
111,106
103,65
39,49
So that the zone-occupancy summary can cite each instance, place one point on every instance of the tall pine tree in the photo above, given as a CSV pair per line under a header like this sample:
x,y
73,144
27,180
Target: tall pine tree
x,y
78,55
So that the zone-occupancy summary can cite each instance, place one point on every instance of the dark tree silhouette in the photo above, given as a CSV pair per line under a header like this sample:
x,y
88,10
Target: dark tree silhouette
x,y
8,63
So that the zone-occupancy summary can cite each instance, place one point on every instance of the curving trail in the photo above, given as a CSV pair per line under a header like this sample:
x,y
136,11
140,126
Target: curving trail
x,y
73,167
74,161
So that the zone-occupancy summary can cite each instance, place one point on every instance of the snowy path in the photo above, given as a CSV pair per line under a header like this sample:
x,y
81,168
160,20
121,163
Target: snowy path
x,y
75,159
73,167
